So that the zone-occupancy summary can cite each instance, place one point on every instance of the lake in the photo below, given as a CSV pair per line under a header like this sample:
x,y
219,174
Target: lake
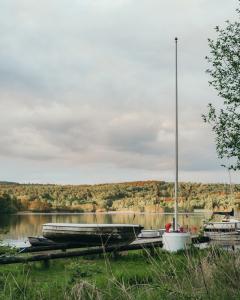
x,y
20,226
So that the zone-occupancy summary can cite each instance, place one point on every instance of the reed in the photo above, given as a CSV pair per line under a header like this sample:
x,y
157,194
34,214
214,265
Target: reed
x,y
194,274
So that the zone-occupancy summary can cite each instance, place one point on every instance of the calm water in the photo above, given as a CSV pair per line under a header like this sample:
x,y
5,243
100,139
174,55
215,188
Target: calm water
x,y
19,227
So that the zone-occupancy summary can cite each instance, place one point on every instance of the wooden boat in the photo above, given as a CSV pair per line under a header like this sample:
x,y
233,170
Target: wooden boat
x,y
91,234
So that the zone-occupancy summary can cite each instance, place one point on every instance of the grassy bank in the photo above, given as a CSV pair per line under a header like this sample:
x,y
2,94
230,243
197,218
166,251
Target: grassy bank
x,y
205,274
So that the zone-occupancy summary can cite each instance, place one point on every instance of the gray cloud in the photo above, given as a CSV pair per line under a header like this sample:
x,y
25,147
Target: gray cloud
x,y
91,86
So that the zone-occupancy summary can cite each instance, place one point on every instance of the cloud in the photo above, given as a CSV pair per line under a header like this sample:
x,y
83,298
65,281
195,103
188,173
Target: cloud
x,y
92,83
84,134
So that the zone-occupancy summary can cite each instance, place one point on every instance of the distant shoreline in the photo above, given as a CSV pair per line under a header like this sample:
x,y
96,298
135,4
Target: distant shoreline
x,y
110,213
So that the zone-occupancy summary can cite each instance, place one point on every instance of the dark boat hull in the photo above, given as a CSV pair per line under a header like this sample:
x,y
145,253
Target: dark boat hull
x,y
38,241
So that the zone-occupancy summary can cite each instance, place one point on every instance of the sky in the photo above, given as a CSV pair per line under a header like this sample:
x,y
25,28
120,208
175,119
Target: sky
x,y
87,90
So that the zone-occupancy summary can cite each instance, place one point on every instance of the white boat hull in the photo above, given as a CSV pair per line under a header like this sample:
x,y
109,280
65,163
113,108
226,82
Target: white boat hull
x,y
223,236
151,233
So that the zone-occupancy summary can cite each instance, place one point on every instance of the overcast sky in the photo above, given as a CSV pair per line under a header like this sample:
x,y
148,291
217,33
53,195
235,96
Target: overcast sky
x,y
87,90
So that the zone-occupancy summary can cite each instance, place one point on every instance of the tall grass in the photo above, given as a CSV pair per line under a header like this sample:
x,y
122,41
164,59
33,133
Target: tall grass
x,y
194,274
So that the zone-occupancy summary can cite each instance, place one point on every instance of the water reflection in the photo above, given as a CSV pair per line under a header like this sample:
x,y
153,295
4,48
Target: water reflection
x,y
23,225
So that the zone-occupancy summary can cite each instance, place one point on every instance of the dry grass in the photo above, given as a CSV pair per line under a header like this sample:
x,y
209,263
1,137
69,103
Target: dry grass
x,y
196,274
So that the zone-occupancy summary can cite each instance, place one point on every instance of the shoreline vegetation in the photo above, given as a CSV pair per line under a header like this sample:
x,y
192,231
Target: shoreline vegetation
x,y
139,196
142,274
53,212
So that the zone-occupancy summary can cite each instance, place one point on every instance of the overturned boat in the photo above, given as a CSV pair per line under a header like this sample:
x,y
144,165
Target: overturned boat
x,y
91,234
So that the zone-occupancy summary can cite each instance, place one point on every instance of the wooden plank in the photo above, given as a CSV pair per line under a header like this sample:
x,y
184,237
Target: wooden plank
x,y
99,250
138,244
64,246
56,246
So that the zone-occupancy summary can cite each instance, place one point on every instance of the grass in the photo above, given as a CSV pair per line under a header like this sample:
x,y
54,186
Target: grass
x,y
196,274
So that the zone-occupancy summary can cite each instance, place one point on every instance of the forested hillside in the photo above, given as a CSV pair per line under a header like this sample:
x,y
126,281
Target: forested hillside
x,y
143,196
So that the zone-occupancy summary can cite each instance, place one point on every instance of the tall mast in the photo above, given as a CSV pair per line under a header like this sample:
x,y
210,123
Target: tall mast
x,y
176,137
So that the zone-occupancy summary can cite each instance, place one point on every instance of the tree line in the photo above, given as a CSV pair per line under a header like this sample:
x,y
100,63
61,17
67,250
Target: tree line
x,y
155,196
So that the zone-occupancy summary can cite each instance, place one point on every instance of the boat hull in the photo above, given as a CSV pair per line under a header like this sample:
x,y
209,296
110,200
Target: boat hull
x,y
151,233
91,234
223,236
39,241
